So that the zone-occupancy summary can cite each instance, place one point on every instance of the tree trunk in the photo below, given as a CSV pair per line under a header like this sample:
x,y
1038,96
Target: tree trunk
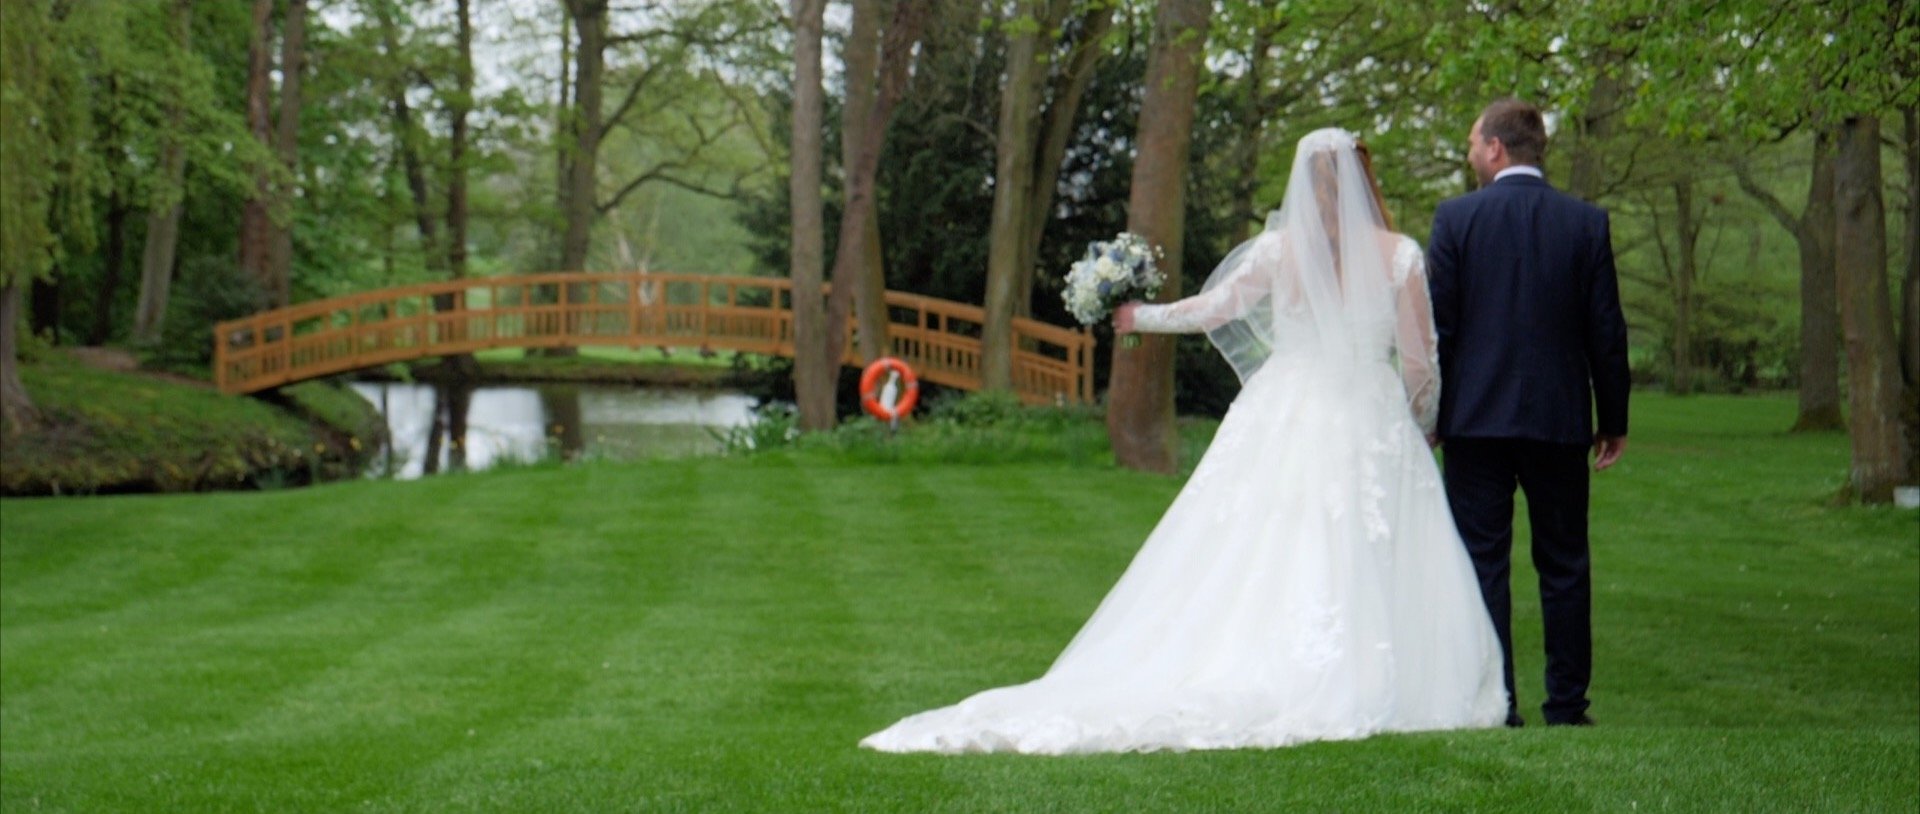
x,y
902,33
1874,383
286,145
1819,307
17,413
156,261
562,124
862,60
580,186
1140,392
163,220
590,26
457,146
114,266
1681,381
1586,177
436,429
1252,134
407,140
1819,299
256,227
1910,290
1029,53
813,368
458,109
459,400
1057,132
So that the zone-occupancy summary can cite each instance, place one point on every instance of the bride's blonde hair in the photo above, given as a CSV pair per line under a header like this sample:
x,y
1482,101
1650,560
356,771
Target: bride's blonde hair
x,y
1373,182
1323,173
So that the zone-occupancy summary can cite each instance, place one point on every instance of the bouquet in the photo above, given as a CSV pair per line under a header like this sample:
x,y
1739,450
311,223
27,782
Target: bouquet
x,y
1114,271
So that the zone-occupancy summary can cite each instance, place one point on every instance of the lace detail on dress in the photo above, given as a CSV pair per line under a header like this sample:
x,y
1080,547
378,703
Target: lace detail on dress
x,y
1373,490
1416,341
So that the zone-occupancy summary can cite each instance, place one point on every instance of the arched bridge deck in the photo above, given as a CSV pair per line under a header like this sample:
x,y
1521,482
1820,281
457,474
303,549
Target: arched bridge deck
x,y
939,338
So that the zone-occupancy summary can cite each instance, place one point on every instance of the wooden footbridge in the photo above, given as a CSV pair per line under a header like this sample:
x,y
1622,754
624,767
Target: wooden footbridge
x,y
939,338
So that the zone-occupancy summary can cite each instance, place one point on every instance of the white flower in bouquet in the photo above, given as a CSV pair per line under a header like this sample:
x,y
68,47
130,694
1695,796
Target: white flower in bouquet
x,y
1113,271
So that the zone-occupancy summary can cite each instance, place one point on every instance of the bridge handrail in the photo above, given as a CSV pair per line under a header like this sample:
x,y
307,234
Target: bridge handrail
x,y
634,309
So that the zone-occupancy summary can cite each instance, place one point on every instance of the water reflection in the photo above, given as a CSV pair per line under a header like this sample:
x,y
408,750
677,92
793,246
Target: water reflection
x,y
438,427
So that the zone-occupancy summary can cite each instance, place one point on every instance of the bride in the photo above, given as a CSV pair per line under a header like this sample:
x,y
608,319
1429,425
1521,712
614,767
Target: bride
x,y
1307,583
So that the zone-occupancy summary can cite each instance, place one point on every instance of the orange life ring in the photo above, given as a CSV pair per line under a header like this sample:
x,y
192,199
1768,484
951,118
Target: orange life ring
x,y
870,392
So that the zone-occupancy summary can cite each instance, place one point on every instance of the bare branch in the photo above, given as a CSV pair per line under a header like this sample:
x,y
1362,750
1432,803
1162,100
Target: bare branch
x,y
660,171
633,94
1767,199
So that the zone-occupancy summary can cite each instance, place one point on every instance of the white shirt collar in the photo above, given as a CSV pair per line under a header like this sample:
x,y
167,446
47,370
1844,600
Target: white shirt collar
x,y
1519,169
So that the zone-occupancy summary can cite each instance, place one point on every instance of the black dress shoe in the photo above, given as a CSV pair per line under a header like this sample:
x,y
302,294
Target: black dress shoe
x,y
1583,720
1514,721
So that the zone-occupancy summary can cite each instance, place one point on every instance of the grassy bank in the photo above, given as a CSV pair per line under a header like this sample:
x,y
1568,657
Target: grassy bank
x,y
713,635
116,431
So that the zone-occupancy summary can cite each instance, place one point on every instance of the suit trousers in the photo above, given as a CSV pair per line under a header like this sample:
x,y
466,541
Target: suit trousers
x,y
1480,475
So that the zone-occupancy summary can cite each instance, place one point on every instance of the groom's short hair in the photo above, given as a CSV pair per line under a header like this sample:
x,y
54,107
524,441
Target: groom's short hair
x,y
1519,127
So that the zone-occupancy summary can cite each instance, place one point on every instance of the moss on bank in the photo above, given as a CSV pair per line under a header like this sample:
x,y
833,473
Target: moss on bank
x,y
111,431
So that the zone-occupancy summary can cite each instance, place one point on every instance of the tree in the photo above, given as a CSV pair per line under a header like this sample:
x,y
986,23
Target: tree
x,y
1871,40
1084,52
813,367
901,36
286,145
256,227
50,172
861,56
26,182
459,106
407,134
1874,383
1038,106
1029,54
659,91
163,216
1910,290
1812,231
580,188
1140,395
1682,265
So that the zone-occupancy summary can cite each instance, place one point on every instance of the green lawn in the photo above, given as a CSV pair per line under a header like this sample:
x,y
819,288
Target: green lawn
x,y
717,634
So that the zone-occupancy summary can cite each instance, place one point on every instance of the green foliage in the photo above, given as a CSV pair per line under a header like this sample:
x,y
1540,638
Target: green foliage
x,y
210,289
48,176
718,634
979,409
774,425
954,427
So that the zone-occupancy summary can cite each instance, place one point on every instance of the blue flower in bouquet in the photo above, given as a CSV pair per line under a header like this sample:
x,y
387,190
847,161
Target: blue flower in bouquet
x,y
1113,271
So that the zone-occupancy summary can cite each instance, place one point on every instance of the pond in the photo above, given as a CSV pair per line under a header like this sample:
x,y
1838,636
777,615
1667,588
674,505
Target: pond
x,y
440,428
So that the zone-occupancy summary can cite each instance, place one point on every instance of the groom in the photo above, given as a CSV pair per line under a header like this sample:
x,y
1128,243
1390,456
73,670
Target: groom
x,y
1532,345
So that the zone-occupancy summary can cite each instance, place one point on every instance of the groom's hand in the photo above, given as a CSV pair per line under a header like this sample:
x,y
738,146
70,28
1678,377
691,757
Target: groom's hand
x,y
1607,450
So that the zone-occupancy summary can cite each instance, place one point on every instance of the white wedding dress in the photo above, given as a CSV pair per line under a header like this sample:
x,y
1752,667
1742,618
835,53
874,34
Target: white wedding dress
x,y
1307,583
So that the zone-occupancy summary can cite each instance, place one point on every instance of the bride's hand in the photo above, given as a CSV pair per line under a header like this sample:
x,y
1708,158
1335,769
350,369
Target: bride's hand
x,y
1123,318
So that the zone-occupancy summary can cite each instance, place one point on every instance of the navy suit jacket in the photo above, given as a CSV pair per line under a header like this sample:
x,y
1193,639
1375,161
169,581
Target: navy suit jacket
x,y
1527,306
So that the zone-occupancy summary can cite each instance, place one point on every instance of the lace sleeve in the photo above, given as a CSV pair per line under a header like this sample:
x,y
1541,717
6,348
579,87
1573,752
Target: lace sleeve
x,y
1414,338
1242,287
